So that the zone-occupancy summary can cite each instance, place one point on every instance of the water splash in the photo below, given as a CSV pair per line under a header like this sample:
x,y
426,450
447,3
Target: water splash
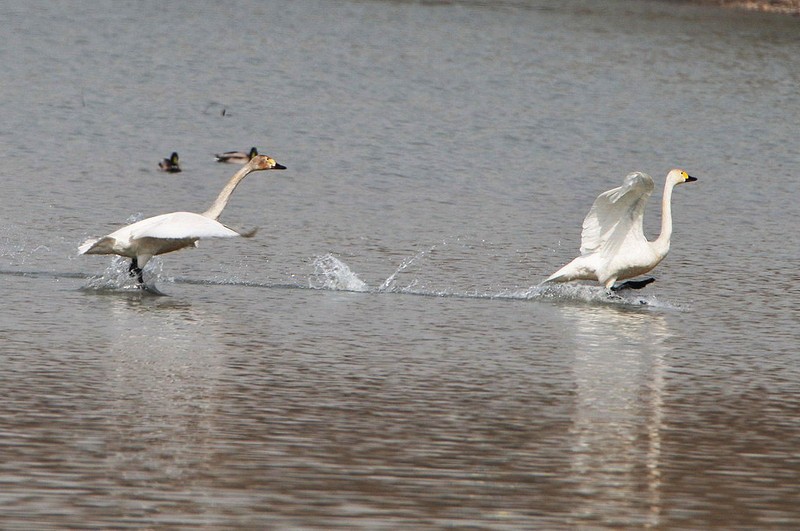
x,y
117,275
586,293
389,283
331,273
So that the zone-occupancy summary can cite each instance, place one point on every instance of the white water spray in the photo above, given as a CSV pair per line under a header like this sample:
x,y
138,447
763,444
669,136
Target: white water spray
x,y
388,284
331,273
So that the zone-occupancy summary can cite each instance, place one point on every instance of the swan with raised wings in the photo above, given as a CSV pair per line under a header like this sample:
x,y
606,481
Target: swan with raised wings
x,y
149,237
613,244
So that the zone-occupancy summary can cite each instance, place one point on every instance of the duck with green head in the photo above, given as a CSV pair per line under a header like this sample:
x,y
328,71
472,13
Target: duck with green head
x,y
236,157
170,165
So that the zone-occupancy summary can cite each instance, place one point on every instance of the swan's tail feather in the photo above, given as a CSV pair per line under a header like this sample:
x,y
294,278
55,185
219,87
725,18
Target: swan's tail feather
x,y
578,269
97,246
558,276
564,274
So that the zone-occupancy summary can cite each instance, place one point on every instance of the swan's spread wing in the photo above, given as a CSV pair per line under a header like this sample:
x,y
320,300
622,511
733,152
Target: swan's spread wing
x,y
176,226
617,215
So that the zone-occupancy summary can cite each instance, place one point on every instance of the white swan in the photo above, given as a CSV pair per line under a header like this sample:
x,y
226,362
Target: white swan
x,y
613,245
144,239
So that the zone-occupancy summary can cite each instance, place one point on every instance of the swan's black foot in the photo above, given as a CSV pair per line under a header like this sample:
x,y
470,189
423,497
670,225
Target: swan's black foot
x,y
135,271
633,284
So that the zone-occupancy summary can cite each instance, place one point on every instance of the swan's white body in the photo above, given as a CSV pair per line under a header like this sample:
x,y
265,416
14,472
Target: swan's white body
x,y
613,245
149,237
158,235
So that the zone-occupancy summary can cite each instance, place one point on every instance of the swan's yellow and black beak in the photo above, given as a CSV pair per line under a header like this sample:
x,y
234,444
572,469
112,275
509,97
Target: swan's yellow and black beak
x,y
273,164
689,178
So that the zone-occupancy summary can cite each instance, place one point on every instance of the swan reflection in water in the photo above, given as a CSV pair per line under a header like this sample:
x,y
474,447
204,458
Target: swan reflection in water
x,y
615,452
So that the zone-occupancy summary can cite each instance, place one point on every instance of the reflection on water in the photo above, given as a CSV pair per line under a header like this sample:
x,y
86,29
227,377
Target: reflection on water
x,y
619,381
163,366
177,412
90,427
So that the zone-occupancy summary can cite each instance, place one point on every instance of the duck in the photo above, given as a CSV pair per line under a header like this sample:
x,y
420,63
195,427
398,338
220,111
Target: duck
x,y
170,232
613,244
236,157
170,165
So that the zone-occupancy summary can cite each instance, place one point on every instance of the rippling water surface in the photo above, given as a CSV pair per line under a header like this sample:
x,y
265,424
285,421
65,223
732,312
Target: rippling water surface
x,y
379,356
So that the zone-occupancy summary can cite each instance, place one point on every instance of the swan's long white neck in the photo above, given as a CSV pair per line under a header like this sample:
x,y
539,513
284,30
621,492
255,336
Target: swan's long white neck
x,y
224,196
661,244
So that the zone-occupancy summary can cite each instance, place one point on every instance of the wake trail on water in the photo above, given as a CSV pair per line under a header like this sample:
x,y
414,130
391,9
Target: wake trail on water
x,y
331,273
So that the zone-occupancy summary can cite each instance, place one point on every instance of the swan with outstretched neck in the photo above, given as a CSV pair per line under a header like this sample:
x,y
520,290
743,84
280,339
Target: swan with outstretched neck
x,y
149,237
613,244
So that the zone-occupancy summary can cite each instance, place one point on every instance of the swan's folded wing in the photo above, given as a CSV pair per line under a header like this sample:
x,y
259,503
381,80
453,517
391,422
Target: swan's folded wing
x,y
180,226
616,213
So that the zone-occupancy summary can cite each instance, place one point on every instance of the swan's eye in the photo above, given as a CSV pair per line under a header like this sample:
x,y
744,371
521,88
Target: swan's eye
x,y
684,175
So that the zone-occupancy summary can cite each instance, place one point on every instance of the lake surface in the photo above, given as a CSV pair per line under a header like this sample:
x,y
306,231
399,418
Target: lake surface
x,y
379,355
